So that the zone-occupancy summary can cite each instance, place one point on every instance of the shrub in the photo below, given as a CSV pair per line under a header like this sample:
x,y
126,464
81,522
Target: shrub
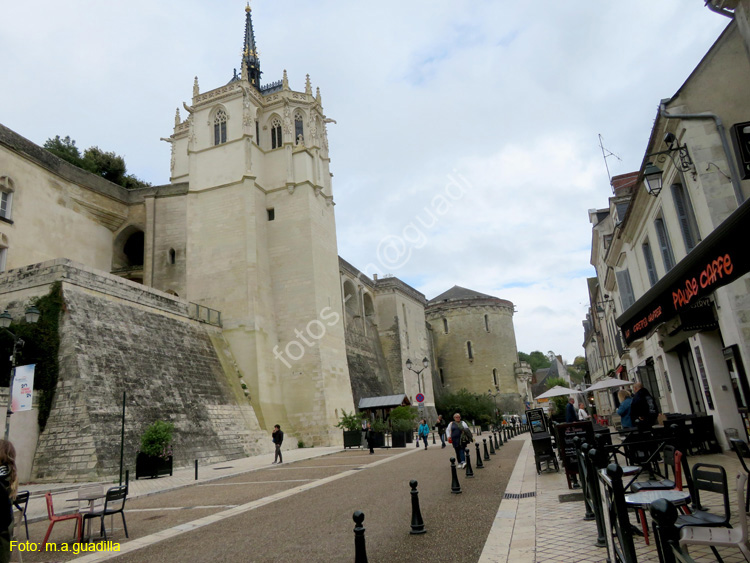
x,y
351,421
157,439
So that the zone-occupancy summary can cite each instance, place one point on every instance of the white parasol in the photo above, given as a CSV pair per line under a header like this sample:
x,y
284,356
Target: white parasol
x,y
608,382
557,391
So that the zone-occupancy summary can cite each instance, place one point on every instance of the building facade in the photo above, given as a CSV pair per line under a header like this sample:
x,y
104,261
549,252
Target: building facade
x,y
669,305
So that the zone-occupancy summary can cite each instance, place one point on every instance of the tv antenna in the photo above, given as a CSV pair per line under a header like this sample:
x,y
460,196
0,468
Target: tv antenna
x,y
606,153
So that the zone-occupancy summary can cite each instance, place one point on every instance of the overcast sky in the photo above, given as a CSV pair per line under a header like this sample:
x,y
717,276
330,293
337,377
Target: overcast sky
x,y
466,150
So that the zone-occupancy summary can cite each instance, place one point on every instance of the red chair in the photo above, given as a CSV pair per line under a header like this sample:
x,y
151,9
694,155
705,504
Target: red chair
x,y
54,518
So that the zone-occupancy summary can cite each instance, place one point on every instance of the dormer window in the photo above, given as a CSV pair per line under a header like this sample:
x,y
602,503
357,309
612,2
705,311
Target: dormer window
x,y
276,133
220,127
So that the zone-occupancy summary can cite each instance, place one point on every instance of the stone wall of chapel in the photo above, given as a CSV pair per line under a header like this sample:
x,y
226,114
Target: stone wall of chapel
x,y
167,232
495,349
77,222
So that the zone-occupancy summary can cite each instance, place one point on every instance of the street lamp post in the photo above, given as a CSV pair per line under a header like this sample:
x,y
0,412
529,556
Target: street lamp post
x,y
425,363
32,316
494,396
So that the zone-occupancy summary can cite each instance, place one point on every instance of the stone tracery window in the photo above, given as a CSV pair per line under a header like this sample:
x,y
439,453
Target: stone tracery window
x,y
220,127
298,128
276,140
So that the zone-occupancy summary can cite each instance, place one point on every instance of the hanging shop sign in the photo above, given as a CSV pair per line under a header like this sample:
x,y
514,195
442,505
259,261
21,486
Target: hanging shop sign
x,y
719,259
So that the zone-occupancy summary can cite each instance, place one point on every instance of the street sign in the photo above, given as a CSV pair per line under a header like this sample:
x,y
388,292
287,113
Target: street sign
x,y
420,398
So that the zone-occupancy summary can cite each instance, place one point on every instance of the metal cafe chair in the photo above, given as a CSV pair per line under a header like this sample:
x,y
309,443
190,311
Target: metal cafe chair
x,y
21,503
708,478
54,518
114,503
721,536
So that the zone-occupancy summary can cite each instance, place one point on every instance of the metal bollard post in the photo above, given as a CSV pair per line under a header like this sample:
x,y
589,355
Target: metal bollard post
x,y
500,437
486,453
455,485
196,469
469,471
417,524
480,465
127,477
492,446
360,553
497,444
433,438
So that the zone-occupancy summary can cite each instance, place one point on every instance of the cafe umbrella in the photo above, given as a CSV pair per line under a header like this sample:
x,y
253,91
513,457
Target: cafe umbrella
x,y
557,391
608,382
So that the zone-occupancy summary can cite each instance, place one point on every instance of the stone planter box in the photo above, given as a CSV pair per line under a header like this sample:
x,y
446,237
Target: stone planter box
x,y
399,438
152,466
352,438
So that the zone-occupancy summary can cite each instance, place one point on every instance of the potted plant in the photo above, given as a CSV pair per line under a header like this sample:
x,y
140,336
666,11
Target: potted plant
x,y
378,428
155,456
352,426
402,424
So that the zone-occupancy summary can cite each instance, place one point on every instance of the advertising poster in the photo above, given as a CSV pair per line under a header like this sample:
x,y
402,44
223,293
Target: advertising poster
x,y
23,388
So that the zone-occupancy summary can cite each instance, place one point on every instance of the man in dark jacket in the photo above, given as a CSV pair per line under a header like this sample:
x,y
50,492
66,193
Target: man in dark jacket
x,y
440,426
278,437
570,411
643,409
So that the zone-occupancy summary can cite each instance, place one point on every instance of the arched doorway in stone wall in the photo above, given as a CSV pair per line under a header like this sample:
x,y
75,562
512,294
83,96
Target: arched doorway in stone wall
x,y
128,253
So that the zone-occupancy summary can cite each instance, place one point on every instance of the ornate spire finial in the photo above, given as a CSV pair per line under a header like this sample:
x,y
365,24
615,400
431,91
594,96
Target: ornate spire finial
x,y
285,81
196,89
317,96
308,86
177,119
250,52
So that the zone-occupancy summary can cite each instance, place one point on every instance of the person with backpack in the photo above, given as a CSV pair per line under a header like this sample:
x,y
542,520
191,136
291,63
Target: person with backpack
x,y
643,408
460,437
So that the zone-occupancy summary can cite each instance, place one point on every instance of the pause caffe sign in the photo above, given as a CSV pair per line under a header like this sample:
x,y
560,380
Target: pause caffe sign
x,y
720,259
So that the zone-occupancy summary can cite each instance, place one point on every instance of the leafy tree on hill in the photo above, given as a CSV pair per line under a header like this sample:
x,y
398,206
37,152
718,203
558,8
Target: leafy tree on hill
x,y
471,406
537,360
561,401
108,165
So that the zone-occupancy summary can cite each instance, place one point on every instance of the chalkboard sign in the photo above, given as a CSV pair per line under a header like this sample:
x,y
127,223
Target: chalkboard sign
x,y
565,434
537,421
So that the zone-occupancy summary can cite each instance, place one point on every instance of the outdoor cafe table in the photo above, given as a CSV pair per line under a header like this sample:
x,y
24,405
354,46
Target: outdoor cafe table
x,y
91,498
642,500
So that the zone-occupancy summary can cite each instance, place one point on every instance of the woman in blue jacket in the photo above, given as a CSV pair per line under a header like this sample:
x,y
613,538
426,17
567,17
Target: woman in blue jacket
x,y
624,410
424,431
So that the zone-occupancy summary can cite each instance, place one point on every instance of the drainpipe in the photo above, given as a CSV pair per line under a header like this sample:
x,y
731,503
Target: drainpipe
x,y
724,142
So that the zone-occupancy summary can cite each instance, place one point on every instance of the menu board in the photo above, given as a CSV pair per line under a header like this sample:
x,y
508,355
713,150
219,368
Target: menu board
x,y
565,434
537,421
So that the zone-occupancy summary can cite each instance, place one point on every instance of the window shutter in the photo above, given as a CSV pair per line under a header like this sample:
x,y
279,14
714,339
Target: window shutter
x,y
666,248
626,289
683,208
650,265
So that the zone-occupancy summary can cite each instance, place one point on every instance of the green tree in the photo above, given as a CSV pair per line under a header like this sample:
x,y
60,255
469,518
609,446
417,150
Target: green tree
x,y
471,406
64,148
108,165
537,360
561,401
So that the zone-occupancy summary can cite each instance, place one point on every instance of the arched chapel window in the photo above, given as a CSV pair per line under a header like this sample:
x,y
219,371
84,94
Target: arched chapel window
x,y
275,133
298,130
220,127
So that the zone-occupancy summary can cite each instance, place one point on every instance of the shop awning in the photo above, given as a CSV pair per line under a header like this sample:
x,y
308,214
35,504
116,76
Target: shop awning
x,y
719,259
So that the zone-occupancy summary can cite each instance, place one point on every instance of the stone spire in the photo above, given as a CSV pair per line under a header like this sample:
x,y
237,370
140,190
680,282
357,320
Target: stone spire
x,y
285,81
250,51
308,86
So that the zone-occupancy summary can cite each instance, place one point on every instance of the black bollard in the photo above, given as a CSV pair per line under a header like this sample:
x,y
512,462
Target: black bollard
x,y
486,453
455,485
196,469
664,515
417,524
500,437
497,444
360,553
433,438
480,465
469,471
492,446
505,433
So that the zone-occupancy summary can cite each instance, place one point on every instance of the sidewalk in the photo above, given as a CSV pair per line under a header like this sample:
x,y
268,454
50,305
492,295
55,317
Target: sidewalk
x,y
62,492
533,525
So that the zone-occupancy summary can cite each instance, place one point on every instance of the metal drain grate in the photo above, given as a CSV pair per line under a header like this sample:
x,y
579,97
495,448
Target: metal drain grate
x,y
519,495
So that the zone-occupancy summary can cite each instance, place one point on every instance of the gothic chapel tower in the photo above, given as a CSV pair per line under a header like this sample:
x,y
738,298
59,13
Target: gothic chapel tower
x,y
260,242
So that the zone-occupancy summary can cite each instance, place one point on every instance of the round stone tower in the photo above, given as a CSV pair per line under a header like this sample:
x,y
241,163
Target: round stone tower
x,y
474,342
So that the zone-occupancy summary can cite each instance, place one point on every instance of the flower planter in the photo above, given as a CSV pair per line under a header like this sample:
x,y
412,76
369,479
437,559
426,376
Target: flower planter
x,y
377,439
352,438
152,466
399,438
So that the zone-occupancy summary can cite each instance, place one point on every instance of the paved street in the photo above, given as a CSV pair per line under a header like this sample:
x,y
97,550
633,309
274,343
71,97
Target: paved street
x,y
274,513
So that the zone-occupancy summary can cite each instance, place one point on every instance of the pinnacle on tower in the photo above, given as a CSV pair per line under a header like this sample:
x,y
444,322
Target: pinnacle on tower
x,y
285,81
308,86
196,89
250,51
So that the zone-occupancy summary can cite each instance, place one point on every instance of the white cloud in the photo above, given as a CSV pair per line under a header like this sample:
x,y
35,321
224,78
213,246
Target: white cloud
x,y
510,96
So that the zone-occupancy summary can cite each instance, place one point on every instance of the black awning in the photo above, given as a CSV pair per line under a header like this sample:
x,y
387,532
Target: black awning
x,y
722,257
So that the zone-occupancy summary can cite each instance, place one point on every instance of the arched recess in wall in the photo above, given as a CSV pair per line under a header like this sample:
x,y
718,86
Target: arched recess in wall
x,y
128,253
350,297
369,307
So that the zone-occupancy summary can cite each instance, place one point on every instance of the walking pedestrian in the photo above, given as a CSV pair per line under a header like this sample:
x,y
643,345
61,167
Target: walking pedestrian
x,y
643,409
365,426
440,427
370,438
459,436
278,437
582,414
8,489
424,431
